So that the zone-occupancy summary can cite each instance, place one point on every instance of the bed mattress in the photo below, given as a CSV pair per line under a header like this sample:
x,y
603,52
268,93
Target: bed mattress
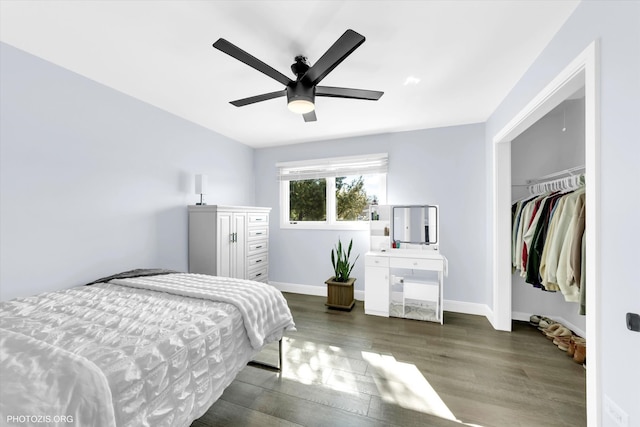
x,y
122,354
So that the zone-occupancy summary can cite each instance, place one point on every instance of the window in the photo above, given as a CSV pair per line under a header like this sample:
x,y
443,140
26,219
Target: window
x,y
308,200
332,193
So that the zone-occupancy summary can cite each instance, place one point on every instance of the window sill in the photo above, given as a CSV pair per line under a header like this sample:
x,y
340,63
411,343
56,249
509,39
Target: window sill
x,y
355,226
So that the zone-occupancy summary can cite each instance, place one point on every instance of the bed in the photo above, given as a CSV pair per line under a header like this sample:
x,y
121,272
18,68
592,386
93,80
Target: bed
x,y
142,348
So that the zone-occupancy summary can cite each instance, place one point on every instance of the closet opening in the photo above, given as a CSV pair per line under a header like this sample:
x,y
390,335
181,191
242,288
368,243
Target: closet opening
x,y
547,170
582,72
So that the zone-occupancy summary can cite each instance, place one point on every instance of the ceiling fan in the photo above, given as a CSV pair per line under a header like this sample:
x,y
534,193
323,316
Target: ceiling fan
x,y
302,91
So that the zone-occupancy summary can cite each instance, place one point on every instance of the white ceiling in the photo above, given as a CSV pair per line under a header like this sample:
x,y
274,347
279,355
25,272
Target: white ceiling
x,y
467,55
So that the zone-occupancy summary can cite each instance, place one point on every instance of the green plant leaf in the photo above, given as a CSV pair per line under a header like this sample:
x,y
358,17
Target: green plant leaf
x,y
340,259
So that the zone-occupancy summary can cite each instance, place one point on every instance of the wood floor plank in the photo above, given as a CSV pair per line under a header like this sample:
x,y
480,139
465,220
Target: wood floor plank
x,y
307,412
353,401
226,414
395,414
350,369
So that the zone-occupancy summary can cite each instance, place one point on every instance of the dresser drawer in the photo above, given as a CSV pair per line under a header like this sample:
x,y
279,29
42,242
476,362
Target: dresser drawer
x,y
258,233
259,274
376,261
258,260
417,263
258,218
258,246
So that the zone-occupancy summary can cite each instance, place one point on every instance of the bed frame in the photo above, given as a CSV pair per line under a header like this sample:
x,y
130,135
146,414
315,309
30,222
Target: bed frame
x,y
268,366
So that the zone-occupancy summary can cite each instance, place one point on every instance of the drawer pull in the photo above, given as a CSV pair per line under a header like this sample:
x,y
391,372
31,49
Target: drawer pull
x,y
258,260
259,274
259,233
258,247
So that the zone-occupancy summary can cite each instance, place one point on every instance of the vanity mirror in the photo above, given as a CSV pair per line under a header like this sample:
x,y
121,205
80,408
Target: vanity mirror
x,y
415,224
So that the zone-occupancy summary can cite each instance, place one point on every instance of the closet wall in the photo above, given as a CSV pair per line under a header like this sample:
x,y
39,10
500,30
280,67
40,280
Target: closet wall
x,y
544,149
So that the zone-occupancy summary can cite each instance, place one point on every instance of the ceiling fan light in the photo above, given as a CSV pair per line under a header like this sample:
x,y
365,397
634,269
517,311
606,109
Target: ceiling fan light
x,y
301,106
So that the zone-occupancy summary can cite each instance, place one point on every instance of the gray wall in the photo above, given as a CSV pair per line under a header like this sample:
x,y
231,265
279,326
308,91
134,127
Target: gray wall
x,y
541,150
438,166
93,182
616,25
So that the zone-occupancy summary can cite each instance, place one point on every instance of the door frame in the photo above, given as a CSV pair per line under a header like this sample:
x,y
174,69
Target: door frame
x,y
583,71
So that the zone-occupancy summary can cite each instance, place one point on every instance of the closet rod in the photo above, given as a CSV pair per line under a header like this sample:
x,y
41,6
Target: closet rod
x,y
571,182
567,172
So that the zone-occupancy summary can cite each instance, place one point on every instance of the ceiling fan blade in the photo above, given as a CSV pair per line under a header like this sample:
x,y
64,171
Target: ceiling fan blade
x,y
234,51
310,117
337,53
345,92
258,98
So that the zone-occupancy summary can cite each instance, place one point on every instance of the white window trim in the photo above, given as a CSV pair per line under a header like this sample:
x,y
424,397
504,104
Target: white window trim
x,y
331,223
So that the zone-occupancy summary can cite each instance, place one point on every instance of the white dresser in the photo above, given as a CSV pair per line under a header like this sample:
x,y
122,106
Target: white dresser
x,y
229,241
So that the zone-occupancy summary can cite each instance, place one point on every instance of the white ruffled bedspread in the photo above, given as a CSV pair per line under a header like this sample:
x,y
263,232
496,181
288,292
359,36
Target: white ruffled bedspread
x,y
151,351
263,308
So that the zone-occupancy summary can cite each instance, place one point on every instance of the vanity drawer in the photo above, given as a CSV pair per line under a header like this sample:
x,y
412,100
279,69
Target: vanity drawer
x,y
422,291
417,263
376,261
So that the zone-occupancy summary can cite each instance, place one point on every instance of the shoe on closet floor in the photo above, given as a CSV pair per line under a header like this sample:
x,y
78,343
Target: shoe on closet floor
x,y
534,320
551,328
562,342
572,344
580,353
545,322
558,332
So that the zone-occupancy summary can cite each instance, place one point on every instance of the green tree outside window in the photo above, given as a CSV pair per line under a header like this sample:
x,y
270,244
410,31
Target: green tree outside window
x,y
308,200
351,199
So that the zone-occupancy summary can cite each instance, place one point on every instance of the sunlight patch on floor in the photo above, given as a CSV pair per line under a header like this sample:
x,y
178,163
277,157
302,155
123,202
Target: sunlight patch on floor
x,y
397,383
310,363
404,385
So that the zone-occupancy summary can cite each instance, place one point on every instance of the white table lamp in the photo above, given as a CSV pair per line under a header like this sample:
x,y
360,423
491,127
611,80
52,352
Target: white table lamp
x,y
202,185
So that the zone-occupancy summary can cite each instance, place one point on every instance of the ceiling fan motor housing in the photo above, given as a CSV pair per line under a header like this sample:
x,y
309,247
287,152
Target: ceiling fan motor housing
x,y
300,66
297,91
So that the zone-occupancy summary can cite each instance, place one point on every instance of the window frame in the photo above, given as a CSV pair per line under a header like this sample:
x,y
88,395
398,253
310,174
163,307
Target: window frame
x,y
331,223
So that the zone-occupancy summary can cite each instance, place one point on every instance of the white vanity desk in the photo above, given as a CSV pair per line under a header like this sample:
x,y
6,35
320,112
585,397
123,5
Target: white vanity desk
x,y
416,296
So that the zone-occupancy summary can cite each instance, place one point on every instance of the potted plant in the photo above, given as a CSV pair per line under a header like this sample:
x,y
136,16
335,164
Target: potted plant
x,y
340,285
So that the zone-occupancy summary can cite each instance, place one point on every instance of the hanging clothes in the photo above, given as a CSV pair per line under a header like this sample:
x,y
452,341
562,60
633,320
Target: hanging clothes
x,y
548,242
575,264
566,271
523,222
583,304
559,254
552,231
539,238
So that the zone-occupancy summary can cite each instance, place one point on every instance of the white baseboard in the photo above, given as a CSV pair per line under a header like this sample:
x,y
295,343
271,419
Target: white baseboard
x,y
468,308
517,315
449,305
321,291
294,288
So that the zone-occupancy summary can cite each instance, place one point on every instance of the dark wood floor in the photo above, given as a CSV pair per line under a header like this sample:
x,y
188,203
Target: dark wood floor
x,y
350,369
